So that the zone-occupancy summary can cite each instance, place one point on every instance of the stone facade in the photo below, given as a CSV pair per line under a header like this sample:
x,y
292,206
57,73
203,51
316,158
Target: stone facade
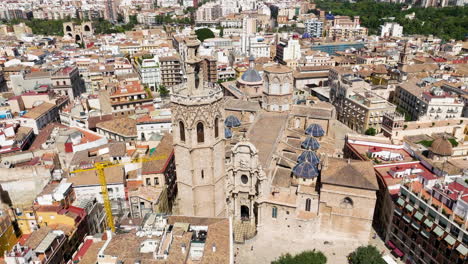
x,y
278,88
198,130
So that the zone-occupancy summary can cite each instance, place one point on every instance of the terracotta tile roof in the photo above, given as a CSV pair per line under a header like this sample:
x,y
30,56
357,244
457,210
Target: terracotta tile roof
x,y
165,149
122,126
114,175
39,111
350,173
37,236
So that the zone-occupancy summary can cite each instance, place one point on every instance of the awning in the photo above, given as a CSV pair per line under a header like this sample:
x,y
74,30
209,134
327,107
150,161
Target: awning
x,y
398,252
390,244
418,215
428,223
462,249
400,201
450,240
438,231
409,207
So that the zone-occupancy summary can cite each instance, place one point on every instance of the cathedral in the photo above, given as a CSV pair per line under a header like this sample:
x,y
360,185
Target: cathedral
x,y
269,164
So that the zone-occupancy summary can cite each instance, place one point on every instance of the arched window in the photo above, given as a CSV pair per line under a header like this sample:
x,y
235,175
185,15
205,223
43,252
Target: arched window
x,y
216,127
200,133
307,207
274,212
285,87
182,131
347,203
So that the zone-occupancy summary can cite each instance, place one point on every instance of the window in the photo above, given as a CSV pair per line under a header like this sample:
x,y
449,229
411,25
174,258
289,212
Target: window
x,y
307,205
274,212
200,133
182,131
347,203
216,126
202,174
244,179
156,181
148,181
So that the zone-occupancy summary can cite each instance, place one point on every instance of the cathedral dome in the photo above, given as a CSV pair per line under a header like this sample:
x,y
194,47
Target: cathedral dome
x,y
308,156
305,170
227,132
310,144
232,121
251,76
315,130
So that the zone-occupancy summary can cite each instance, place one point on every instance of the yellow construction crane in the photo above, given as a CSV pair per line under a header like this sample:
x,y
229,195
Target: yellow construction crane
x,y
99,167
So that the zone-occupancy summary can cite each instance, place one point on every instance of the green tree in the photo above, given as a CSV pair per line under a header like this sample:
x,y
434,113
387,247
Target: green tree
x,y
163,91
371,131
204,33
309,257
366,255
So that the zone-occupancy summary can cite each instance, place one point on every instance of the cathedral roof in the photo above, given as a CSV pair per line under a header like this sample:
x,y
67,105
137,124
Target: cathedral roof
x,y
232,121
251,75
305,170
309,156
315,130
350,173
310,143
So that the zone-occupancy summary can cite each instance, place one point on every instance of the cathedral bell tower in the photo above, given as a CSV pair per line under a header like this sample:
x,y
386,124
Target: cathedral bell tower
x,y
198,133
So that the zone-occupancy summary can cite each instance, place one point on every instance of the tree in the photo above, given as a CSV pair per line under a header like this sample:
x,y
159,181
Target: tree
x,y
366,255
371,131
163,91
309,257
204,33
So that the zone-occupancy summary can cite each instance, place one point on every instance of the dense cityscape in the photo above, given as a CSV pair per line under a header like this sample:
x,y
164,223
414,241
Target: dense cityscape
x,y
233,131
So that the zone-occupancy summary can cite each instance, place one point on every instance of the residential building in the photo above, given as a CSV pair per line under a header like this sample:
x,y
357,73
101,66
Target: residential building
x,y
40,116
288,50
7,231
313,28
67,81
343,28
177,239
45,246
120,129
150,73
419,100
159,189
389,29
171,71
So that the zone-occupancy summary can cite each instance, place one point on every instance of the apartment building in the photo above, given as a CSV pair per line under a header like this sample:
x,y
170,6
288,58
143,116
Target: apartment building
x,y
343,28
67,81
314,28
421,101
149,72
171,70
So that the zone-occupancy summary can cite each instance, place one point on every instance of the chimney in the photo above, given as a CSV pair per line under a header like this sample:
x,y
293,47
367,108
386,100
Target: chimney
x,y
183,248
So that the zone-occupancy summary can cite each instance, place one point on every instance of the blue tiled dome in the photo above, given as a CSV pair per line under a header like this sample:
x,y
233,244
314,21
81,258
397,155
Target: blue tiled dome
x,y
315,130
310,144
251,75
305,170
308,156
227,132
232,121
